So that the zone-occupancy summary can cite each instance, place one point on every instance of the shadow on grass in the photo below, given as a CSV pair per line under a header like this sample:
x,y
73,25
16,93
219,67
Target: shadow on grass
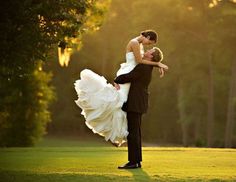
x,y
139,175
25,176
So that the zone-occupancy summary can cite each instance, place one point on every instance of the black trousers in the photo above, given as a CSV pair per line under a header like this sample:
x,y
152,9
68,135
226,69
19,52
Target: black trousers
x,y
134,137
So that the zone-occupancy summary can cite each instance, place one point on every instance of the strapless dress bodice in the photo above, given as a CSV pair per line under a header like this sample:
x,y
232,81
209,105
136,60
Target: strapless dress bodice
x,y
130,59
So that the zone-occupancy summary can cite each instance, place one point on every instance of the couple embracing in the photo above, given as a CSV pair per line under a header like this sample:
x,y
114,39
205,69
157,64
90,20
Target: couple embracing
x,y
115,112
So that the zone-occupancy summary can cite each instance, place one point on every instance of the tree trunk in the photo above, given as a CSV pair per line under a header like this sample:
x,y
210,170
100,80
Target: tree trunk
x,y
184,127
210,110
182,114
197,129
231,108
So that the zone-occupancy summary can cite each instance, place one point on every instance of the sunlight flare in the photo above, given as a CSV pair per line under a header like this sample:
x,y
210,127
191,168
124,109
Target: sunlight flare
x,y
64,56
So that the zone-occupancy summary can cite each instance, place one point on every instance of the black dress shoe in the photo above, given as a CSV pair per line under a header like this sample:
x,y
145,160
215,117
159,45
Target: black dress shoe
x,y
139,164
129,166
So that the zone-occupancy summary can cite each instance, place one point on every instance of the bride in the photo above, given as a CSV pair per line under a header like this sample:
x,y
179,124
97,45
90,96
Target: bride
x,y
101,102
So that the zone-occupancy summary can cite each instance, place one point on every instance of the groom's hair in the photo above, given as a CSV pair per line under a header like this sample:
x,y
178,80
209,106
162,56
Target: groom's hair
x,y
150,33
157,55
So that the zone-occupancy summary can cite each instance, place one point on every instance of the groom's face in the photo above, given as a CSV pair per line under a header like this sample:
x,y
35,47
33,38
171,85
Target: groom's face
x,y
148,54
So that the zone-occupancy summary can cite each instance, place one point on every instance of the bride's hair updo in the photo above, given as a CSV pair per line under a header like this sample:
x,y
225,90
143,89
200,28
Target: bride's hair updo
x,y
150,33
157,55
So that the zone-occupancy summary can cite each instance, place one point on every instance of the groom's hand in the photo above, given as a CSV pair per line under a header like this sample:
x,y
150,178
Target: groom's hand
x,y
117,86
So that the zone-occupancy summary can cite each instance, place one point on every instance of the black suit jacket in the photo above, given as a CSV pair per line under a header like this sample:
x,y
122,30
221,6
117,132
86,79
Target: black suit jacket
x,y
140,78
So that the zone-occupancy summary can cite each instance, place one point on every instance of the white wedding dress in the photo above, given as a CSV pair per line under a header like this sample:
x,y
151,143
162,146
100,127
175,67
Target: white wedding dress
x,y
101,103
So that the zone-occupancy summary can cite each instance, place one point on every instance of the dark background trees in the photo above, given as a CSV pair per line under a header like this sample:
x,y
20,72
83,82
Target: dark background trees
x,y
194,104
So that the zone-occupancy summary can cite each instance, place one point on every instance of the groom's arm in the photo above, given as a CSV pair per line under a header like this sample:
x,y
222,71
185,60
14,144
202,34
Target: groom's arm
x,y
135,74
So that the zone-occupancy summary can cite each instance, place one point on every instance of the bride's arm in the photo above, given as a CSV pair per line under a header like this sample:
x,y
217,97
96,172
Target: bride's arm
x,y
138,58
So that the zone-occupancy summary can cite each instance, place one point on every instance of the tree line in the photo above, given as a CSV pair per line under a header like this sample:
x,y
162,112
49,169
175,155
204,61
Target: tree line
x,y
195,103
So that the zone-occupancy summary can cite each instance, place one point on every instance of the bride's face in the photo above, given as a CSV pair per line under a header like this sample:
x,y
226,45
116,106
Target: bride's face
x,y
147,41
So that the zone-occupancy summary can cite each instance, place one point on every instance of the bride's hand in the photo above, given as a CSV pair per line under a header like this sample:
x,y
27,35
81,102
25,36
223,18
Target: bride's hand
x,y
162,72
117,86
161,65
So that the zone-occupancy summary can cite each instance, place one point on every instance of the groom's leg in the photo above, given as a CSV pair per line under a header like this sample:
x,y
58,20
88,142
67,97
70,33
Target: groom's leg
x,y
140,140
134,137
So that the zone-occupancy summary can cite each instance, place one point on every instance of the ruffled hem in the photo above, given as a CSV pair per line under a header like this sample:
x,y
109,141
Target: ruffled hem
x,y
101,107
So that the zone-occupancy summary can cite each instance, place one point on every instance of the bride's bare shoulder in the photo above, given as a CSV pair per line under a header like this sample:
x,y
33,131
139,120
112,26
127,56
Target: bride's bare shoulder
x,y
133,42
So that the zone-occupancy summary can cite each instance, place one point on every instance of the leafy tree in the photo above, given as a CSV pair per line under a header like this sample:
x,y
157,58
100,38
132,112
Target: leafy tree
x,y
30,30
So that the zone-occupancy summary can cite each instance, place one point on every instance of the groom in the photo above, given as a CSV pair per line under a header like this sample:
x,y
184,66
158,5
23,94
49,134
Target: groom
x,y
137,104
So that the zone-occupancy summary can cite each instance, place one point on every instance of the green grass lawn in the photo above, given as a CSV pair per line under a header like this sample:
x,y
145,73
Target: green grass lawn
x,y
71,161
